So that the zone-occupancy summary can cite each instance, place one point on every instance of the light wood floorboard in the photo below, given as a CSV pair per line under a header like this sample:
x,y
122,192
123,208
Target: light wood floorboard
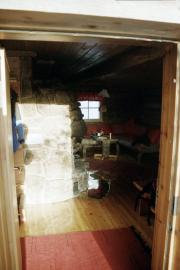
x,y
84,214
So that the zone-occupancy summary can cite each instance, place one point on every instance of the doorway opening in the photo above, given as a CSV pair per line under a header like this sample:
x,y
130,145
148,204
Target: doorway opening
x,y
121,147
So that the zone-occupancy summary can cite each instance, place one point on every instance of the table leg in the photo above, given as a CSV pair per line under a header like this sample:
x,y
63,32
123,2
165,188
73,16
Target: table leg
x,y
106,148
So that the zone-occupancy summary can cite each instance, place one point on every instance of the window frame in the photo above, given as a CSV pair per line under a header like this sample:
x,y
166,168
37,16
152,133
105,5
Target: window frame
x,y
88,108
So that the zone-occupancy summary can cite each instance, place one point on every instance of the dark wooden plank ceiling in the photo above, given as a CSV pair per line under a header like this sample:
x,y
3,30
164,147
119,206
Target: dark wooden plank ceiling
x,y
89,62
146,75
71,57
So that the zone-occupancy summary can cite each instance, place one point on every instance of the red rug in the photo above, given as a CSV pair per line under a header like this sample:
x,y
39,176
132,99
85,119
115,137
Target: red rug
x,y
100,250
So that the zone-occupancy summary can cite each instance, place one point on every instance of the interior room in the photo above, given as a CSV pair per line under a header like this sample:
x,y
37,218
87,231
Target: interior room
x,y
91,118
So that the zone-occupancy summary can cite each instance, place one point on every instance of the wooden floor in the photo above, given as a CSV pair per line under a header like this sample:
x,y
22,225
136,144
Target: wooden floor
x,y
83,214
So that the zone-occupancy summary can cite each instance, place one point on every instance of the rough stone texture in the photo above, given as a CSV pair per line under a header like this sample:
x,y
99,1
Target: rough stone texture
x,y
52,120
15,73
80,175
78,128
15,67
51,123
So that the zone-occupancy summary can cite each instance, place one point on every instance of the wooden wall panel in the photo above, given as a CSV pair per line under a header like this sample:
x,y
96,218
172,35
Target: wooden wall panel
x,y
163,204
141,104
151,107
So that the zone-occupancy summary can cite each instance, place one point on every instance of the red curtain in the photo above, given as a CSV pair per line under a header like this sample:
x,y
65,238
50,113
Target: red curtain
x,y
89,96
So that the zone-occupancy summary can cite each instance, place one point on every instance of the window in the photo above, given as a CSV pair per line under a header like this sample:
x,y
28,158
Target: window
x,y
90,110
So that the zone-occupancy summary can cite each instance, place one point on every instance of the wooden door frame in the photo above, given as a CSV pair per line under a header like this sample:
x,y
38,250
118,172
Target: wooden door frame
x,y
169,139
172,247
9,214
167,177
106,24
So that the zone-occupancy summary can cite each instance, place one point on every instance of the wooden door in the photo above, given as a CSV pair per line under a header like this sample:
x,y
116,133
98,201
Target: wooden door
x,y
10,258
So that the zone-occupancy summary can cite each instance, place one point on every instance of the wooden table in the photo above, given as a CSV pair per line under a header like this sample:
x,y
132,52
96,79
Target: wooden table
x,y
88,143
106,144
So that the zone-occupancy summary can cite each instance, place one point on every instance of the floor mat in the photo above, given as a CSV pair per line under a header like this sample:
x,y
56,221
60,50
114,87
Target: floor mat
x,y
95,250
139,236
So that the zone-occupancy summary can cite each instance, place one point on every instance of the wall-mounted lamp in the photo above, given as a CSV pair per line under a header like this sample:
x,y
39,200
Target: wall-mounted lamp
x,y
104,93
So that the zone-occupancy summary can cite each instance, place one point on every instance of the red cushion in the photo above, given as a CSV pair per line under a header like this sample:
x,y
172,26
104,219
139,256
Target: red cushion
x,y
154,136
95,127
117,129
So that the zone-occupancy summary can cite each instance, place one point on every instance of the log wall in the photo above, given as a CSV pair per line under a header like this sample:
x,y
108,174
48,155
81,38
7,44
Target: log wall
x,y
144,105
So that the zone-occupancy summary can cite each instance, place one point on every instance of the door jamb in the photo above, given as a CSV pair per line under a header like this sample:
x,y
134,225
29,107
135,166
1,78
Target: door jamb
x,y
71,37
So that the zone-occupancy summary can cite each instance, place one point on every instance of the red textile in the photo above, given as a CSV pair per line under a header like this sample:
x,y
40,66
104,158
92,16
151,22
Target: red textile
x,y
89,96
154,136
129,129
95,127
99,250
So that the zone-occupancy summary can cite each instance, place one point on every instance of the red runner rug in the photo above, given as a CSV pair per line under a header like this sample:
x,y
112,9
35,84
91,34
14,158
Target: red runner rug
x,y
100,250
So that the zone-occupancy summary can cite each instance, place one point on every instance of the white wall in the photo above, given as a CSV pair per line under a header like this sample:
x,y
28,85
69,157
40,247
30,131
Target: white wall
x,y
162,11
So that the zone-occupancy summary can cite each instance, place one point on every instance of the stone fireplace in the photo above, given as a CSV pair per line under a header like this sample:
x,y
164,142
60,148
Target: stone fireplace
x,y
52,121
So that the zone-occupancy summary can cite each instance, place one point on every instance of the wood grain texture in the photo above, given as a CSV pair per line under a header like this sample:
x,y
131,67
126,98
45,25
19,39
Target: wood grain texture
x,y
8,210
101,25
166,166
174,216
5,251
92,62
130,58
65,58
87,214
